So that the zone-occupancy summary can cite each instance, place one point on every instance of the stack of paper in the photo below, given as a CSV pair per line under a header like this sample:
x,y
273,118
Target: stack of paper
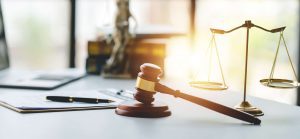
x,y
29,103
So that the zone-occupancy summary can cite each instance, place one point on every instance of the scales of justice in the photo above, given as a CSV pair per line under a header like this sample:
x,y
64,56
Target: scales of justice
x,y
269,82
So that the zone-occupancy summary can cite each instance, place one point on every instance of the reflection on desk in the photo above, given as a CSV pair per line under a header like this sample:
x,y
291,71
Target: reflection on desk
x,y
187,120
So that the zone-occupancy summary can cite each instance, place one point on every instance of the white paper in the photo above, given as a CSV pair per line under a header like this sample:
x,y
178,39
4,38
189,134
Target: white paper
x,y
38,101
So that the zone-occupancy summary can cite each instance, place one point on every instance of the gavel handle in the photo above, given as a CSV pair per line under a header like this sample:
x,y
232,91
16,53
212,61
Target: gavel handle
x,y
209,104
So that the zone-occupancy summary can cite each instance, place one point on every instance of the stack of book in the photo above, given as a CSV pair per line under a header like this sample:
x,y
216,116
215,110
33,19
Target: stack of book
x,y
139,52
146,51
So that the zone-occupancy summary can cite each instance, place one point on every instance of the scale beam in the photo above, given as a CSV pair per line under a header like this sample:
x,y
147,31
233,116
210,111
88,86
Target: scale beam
x,y
248,24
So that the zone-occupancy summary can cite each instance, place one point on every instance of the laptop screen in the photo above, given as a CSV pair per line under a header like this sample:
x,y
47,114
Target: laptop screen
x,y
3,47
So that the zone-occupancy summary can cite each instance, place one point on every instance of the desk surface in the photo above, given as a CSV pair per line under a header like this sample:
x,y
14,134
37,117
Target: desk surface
x,y
187,120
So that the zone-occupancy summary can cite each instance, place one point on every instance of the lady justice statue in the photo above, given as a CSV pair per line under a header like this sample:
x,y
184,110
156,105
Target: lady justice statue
x,y
117,64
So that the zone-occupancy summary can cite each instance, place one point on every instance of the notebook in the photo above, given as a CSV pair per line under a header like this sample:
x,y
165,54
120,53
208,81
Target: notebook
x,y
34,103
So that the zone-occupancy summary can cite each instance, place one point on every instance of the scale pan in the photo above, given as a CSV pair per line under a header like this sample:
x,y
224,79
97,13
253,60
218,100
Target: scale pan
x,y
279,83
208,85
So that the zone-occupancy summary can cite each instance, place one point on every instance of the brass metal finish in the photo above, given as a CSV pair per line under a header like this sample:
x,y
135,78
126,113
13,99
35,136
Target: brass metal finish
x,y
145,85
210,85
248,25
270,82
245,106
279,83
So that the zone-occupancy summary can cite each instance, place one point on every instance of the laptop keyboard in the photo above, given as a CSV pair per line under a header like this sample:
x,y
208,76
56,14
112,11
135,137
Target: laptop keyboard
x,y
53,77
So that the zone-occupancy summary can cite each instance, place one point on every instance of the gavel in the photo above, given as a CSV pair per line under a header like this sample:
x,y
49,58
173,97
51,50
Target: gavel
x,y
147,85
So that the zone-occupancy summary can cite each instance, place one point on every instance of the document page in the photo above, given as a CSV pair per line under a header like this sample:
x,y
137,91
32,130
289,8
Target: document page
x,y
38,101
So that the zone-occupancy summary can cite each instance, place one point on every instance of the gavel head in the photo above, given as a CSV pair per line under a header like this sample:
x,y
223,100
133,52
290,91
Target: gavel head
x,y
145,84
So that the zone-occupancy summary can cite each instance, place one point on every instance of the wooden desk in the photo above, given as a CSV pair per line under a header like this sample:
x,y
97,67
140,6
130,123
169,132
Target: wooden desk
x,y
187,120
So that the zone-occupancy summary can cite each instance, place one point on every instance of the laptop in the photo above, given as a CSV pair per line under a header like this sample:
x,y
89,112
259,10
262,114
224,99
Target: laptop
x,y
28,79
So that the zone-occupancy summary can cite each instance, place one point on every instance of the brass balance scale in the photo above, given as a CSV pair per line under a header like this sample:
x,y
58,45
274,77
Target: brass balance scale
x,y
270,82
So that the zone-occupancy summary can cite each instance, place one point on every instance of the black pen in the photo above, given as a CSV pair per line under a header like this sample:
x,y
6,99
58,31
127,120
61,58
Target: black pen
x,y
77,99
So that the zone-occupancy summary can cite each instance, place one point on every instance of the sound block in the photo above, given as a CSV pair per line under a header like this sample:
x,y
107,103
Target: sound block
x,y
137,109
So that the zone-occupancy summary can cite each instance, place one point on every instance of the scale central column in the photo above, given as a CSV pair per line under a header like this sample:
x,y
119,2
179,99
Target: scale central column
x,y
246,65
245,105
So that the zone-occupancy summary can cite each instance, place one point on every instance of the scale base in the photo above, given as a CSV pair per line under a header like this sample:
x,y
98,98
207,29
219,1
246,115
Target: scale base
x,y
245,106
137,109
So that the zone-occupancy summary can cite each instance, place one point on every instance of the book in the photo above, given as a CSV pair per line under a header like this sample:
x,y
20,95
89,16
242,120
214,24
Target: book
x,y
146,51
98,48
140,51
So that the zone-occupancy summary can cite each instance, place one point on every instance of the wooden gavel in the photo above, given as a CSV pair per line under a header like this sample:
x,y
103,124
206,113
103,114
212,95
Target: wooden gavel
x,y
148,84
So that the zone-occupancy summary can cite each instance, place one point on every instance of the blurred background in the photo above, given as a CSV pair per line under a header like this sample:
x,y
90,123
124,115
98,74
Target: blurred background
x,y
38,34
